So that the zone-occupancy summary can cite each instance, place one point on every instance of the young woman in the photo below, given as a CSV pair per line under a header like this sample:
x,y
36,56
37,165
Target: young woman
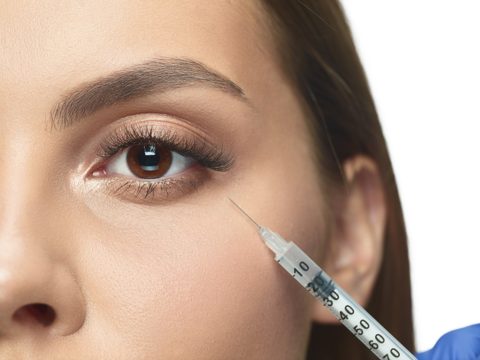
x,y
125,125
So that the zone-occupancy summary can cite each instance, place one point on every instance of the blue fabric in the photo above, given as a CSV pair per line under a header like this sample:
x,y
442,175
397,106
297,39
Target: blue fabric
x,y
460,344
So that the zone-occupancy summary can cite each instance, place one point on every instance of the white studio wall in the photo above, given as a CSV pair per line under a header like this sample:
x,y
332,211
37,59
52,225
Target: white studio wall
x,y
422,59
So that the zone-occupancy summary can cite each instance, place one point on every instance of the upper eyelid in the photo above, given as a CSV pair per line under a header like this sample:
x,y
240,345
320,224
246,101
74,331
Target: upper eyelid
x,y
131,132
217,156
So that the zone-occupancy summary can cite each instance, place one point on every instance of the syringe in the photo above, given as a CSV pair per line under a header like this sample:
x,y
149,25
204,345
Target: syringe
x,y
303,269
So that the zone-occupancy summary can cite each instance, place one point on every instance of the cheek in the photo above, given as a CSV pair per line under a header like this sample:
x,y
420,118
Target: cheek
x,y
204,290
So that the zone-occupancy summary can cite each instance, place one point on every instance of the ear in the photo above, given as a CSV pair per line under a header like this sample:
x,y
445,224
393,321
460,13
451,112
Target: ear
x,y
354,251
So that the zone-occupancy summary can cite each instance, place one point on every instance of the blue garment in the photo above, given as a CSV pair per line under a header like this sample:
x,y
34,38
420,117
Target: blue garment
x,y
460,344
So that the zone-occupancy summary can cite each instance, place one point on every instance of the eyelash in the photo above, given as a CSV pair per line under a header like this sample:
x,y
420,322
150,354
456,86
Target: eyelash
x,y
204,154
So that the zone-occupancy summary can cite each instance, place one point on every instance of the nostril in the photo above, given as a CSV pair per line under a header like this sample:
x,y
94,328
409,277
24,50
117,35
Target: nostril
x,y
36,313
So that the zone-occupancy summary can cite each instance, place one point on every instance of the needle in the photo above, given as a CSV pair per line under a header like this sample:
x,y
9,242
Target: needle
x,y
234,203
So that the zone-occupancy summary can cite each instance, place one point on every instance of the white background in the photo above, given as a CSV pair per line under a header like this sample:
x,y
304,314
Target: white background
x,y
422,60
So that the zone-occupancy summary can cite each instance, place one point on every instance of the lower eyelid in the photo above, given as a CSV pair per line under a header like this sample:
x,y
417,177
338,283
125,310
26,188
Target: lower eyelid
x,y
167,189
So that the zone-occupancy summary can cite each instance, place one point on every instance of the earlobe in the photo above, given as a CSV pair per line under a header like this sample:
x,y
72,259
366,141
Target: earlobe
x,y
356,243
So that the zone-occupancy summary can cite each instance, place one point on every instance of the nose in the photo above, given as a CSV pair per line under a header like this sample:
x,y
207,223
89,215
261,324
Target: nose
x,y
38,296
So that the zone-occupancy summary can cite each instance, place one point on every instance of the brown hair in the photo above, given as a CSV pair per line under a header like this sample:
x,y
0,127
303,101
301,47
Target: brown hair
x,y
316,51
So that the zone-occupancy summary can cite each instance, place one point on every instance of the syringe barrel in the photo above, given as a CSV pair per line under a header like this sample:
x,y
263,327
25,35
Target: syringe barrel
x,y
373,335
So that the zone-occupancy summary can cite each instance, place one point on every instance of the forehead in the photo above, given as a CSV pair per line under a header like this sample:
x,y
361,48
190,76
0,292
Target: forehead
x,y
63,43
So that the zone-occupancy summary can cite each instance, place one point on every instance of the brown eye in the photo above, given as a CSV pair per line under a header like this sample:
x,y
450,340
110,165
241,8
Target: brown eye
x,y
150,161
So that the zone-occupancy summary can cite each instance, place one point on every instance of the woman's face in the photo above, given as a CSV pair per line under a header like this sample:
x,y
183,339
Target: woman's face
x,y
138,251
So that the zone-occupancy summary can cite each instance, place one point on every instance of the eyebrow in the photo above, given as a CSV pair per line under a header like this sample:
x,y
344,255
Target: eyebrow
x,y
154,76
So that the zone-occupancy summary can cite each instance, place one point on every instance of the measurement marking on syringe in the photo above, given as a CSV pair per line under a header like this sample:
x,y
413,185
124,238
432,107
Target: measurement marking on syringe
x,y
357,320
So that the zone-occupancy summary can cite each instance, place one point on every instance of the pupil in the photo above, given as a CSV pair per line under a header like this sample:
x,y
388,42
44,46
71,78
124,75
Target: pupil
x,y
149,159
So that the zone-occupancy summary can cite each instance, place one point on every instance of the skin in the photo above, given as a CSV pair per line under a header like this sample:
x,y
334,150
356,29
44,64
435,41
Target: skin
x,y
179,278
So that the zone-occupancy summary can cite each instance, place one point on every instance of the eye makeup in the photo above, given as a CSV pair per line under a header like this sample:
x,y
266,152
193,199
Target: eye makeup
x,y
205,155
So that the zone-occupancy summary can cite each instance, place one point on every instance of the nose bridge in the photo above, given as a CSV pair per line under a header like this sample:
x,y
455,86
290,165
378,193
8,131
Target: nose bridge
x,y
24,174
30,201
28,150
